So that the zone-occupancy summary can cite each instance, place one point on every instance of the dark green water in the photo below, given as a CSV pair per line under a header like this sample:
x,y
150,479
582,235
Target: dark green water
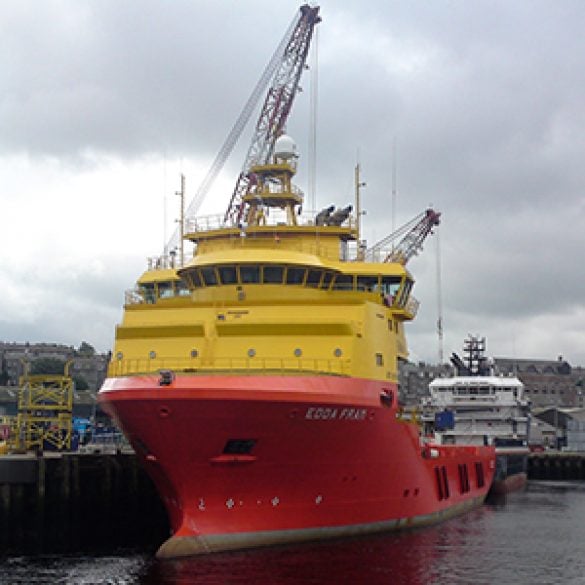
x,y
533,537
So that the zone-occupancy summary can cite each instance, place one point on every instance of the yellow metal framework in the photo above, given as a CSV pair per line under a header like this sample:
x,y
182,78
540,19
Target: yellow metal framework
x,y
45,407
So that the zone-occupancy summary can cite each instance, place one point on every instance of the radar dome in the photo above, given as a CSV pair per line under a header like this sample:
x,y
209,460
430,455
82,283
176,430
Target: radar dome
x,y
285,148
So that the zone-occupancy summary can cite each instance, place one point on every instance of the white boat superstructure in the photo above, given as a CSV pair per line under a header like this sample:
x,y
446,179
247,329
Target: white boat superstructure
x,y
478,410
476,406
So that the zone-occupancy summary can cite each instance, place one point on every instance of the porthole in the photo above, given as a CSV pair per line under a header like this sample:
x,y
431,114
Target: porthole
x,y
298,352
251,352
152,355
337,352
194,353
119,355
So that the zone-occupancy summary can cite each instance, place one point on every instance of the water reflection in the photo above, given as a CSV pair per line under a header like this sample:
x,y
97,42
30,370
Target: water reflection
x,y
533,537
416,558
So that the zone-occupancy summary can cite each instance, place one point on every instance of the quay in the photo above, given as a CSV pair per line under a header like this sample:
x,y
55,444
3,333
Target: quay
x,y
556,465
72,502
80,502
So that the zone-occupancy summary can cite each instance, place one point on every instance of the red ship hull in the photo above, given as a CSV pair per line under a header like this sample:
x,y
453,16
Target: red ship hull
x,y
245,461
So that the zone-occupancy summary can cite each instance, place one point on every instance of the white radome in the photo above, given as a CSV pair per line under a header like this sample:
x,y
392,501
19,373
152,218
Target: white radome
x,y
285,148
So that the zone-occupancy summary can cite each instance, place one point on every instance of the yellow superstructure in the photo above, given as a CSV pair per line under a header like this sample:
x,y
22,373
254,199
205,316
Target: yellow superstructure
x,y
281,293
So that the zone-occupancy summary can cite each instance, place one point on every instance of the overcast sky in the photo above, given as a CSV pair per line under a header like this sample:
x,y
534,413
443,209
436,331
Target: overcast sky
x,y
104,103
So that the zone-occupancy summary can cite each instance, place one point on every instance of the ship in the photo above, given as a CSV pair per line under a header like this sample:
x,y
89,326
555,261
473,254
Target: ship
x,y
478,406
257,380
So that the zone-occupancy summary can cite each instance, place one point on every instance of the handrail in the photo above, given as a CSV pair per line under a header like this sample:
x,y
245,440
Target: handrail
x,y
276,219
126,367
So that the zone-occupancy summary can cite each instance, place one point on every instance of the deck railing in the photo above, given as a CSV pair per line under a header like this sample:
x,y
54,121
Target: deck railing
x,y
256,365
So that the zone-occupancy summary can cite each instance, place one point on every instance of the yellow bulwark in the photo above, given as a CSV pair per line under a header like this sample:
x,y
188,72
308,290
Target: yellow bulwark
x,y
285,292
45,406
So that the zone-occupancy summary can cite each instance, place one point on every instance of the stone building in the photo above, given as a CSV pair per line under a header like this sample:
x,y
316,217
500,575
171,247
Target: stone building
x,y
90,366
547,382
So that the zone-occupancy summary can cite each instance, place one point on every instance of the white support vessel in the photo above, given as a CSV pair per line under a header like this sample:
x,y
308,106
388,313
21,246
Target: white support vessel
x,y
476,406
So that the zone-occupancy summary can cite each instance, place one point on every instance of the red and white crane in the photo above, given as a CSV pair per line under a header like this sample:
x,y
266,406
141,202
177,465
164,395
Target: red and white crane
x,y
284,69
413,235
276,108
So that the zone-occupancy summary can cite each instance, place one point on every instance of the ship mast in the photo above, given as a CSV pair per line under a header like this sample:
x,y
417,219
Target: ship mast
x,y
181,221
358,185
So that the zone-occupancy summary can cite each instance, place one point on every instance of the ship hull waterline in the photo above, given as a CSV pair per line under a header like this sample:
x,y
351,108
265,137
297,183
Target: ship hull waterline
x,y
255,460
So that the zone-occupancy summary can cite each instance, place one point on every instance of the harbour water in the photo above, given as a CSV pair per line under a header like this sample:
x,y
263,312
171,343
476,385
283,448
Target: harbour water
x,y
532,537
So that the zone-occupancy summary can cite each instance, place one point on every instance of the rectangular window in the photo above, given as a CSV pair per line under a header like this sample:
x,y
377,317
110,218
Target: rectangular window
x,y
479,477
228,274
239,446
196,278
250,274
209,276
273,274
182,288
379,359
327,280
463,478
439,481
314,278
295,275
343,282
367,283
445,481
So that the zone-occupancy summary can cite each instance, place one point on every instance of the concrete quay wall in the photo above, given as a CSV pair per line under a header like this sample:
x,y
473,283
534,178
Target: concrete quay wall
x,y
77,503
556,465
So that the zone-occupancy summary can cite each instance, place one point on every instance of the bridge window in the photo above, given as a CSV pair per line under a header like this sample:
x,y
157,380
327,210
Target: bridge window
x,y
227,274
367,283
390,287
314,278
209,276
403,297
326,282
147,291
181,288
273,274
195,277
250,274
343,282
295,275
165,290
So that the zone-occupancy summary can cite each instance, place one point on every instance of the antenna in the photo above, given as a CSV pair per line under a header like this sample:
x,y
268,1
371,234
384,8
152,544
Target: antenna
x,y
358,209
393,188
181,221
439,301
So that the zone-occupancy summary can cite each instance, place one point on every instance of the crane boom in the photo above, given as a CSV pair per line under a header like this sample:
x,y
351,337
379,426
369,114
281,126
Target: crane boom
x,y
412,242
413,234
235,133
277,106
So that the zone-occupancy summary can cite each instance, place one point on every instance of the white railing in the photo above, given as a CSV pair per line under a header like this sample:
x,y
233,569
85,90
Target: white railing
x,y
275,218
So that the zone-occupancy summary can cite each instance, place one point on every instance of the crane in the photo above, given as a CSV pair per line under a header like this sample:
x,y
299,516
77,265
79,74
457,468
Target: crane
x,y
237,129
276,108
413,235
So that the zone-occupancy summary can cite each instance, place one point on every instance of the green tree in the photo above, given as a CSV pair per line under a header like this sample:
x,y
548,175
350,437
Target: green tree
x,y
4,377
48,366
86,349
80,383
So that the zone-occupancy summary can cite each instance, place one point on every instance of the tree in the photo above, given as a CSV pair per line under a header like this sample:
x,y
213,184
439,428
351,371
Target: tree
x,y
48,366
4,376
80,383
86,349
